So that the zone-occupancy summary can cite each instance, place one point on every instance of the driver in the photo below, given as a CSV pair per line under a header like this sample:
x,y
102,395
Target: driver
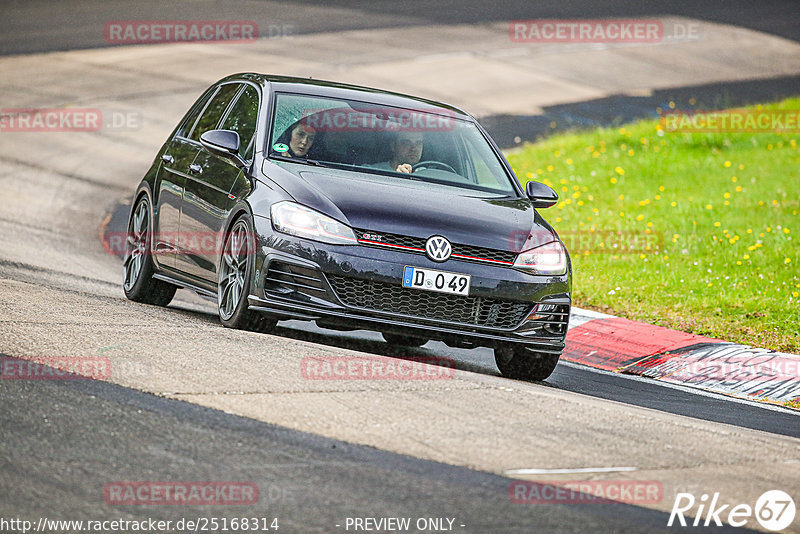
x,y
406,150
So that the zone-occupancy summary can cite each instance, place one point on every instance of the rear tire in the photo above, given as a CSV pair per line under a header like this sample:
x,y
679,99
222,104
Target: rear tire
x,y
521,363
234,281
403,340
138,282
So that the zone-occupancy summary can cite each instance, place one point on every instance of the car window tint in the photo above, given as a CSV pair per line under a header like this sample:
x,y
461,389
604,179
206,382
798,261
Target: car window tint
x,y
214,110
242,120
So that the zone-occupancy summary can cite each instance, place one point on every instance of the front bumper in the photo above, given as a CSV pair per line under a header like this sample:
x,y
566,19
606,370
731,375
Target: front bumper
x,y
361,287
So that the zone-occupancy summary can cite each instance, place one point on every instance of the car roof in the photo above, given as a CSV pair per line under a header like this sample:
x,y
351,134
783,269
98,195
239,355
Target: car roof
x,y
314,87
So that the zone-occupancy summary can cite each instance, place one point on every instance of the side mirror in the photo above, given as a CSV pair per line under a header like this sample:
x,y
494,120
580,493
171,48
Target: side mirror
x,y
543,196
223,143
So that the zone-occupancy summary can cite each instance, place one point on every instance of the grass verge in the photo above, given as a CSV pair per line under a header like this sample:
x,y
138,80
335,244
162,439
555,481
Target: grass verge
x,y
692,231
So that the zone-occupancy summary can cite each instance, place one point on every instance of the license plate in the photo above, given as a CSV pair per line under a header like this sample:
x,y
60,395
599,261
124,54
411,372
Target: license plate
x,y
432,280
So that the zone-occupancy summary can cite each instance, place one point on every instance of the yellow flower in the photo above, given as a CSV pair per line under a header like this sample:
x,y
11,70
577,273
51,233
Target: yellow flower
x,y
746,256
673,203
529,174
727,203
738,188
787,260
738,262
749,230
620,170
786,230
630,152
622,214
727,163
639,217
550,168
727,195
649,225
622,197
710,284
569,161
717,224
613,180
658,197
734,179
708,206
661,188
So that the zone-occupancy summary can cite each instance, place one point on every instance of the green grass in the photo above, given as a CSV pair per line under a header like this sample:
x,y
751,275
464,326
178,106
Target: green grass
x,y
718,212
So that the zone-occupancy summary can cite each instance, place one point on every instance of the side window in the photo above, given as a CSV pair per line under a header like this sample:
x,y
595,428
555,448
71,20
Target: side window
x,y
242,120
188,122
210,118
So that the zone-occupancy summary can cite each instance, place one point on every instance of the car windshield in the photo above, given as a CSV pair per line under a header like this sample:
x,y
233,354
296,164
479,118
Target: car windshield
x,y
384,141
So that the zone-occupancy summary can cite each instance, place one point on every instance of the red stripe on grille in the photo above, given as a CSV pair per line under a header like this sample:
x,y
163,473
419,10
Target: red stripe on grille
x,y
380,244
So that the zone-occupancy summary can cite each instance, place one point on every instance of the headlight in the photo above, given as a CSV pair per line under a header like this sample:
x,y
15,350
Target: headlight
x,y
291,218
546,259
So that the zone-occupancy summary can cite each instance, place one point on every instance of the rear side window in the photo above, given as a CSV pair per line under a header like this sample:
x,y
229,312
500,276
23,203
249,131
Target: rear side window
x,y
188,122
242,120
213,112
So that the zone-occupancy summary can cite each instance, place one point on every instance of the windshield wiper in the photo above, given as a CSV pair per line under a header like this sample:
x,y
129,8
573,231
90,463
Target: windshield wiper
x,y
314,162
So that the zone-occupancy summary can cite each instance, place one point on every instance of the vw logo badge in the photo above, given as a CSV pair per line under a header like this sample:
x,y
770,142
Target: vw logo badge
x,y
438,248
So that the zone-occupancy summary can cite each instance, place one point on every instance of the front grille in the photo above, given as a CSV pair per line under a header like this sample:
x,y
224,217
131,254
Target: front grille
x,y
396,299
416,245
285,278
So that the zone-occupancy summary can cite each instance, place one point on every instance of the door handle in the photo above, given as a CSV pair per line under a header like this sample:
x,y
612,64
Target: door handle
x,y
167,158
195,168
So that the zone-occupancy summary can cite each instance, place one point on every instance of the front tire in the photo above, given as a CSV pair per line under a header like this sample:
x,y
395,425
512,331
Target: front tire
x,y
521,363
234,281
138,282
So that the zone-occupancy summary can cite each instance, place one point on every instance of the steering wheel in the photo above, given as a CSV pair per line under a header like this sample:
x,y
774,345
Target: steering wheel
x,y
433,165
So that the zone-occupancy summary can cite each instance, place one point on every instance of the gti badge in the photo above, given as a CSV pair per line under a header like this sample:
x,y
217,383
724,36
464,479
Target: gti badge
x,y
438,248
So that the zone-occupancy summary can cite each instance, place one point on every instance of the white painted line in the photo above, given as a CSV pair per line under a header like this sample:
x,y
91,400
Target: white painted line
x,y
686,389
568,471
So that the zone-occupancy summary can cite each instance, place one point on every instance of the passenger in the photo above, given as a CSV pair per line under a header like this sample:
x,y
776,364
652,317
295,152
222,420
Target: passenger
x,y
299,138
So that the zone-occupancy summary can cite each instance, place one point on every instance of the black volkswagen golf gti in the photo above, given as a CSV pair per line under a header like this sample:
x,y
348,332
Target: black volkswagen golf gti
x,y
288,198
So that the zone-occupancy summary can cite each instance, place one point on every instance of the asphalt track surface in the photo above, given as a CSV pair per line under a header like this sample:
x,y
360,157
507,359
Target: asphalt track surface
x,y
43,26
61,441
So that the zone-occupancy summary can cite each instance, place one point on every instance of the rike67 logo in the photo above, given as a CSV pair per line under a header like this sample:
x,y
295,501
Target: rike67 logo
x,y
774,510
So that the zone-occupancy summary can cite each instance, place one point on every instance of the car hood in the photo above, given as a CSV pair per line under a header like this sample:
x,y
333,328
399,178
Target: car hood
x,y
417,209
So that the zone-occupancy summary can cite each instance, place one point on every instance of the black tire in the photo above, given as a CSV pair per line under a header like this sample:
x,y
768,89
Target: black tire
x,y
521,363
138,282
403,340
237,260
